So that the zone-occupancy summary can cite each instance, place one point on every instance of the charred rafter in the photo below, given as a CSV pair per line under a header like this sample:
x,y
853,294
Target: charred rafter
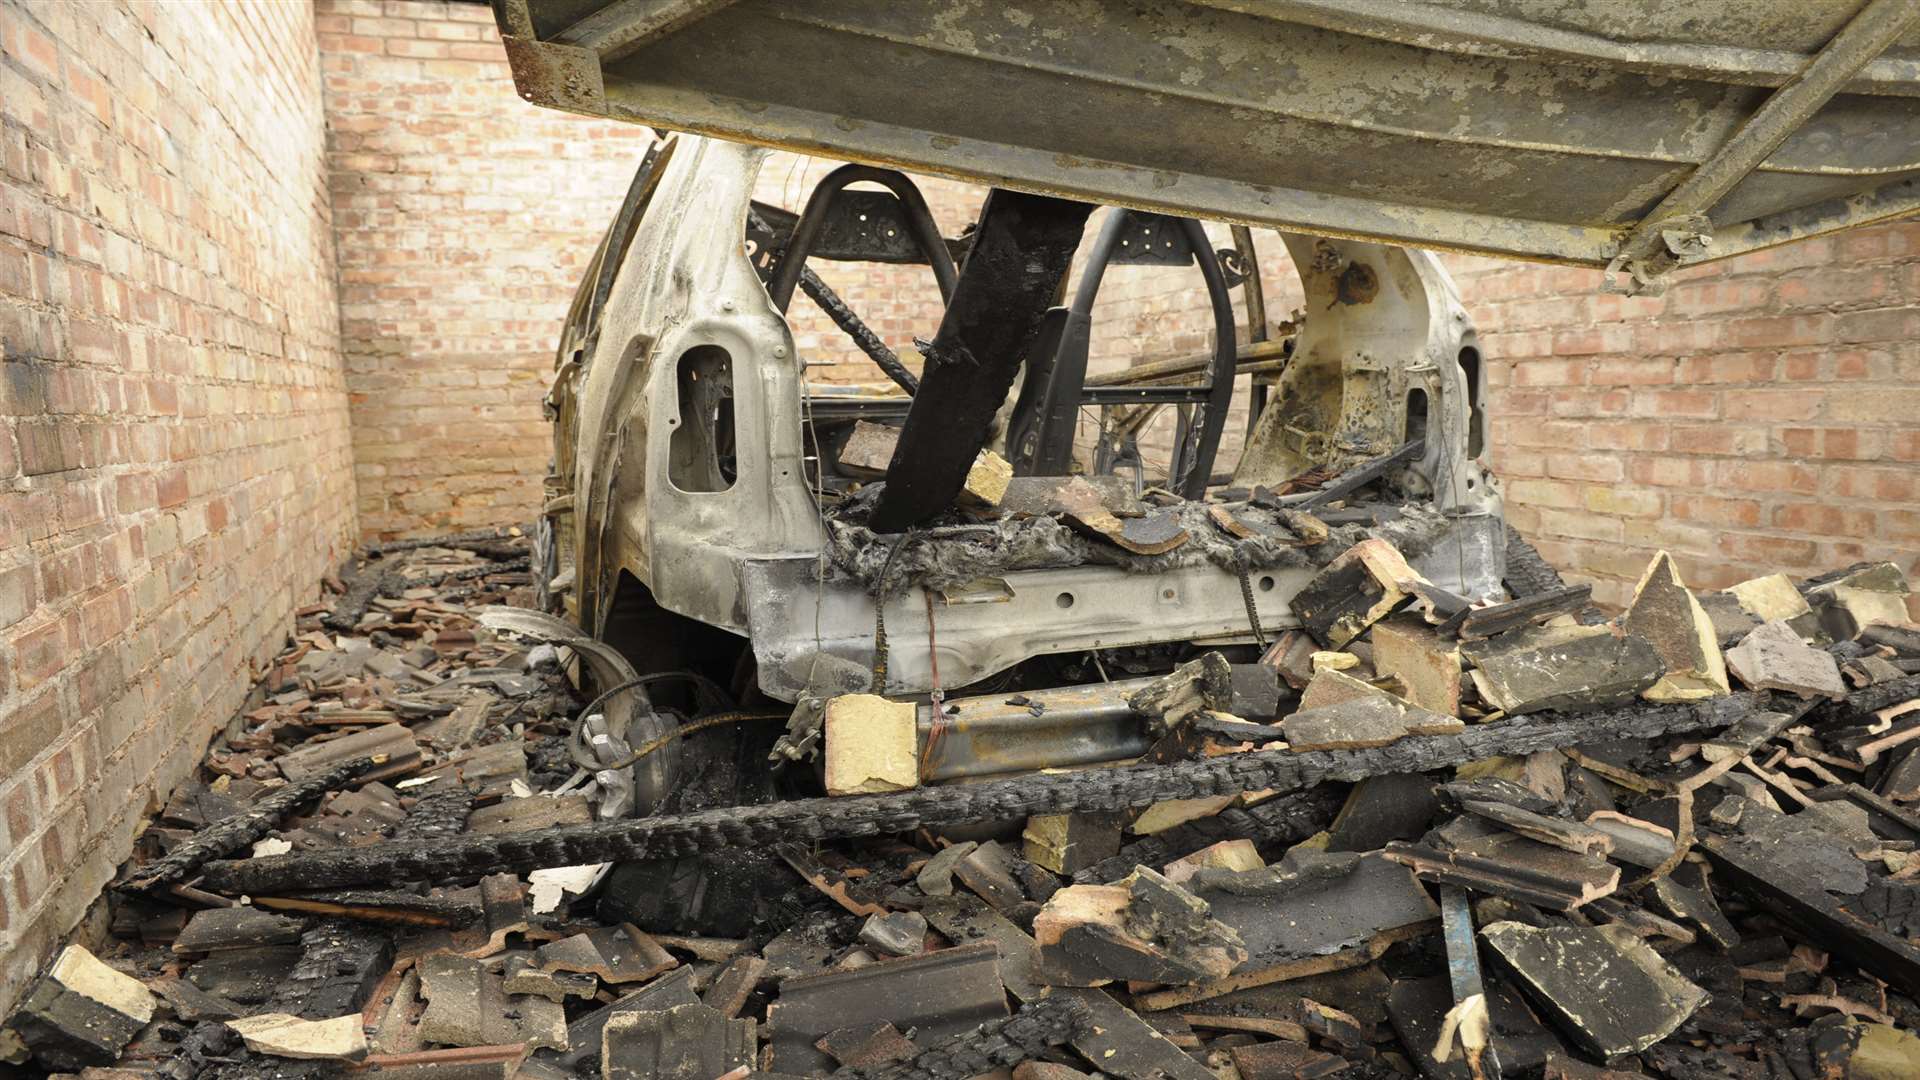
x,y
870,815
1022,249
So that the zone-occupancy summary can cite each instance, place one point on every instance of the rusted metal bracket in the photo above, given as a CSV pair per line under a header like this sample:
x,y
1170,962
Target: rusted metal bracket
x,y
1678,231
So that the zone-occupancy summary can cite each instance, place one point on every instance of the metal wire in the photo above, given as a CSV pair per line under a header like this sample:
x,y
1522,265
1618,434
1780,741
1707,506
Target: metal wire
x,y
719,695
702,724
1246,594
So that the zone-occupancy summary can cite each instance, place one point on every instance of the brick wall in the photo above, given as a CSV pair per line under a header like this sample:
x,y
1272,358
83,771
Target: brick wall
x,y
174,459
1763,415
464,218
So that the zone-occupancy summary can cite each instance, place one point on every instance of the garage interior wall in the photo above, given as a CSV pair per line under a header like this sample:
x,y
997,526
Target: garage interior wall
x,y
273,278
175,467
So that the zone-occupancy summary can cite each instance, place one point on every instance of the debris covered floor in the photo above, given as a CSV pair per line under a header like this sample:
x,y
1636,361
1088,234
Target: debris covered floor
x,y
1407,839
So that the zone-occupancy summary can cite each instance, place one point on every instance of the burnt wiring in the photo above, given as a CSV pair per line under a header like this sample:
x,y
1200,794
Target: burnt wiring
x,y
690,728
879,670
716,694
940,722
709,692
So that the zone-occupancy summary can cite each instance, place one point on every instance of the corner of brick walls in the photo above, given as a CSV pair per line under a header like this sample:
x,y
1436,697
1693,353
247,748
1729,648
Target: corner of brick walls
x,y
175,468
464,217
192,400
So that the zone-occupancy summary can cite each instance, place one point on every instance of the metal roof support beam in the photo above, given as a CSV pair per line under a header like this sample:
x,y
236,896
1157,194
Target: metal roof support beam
x,y
1677,228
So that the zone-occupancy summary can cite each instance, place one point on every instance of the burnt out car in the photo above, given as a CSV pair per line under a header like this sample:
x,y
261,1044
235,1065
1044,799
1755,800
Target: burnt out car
x,y
711,508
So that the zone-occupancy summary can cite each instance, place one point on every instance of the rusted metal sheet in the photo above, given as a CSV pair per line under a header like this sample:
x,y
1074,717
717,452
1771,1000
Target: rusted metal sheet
x,y
1517,127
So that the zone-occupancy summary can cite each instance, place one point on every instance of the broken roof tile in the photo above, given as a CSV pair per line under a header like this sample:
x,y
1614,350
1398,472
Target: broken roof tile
x,y
282,1035
1665,614
469,1006
685,1042
1602,985
1773,657
616,954
936,994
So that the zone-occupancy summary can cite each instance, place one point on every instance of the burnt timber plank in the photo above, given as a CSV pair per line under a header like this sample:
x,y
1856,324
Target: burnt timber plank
x,y
871,815
1479,624
231,834
1363,474
1805,905
1021,250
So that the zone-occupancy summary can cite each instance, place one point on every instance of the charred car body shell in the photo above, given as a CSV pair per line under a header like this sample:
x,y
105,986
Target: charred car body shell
x,y
684,424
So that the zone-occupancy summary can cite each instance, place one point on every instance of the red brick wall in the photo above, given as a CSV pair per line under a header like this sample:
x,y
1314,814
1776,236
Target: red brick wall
x,y
1763,415
174,458
464,218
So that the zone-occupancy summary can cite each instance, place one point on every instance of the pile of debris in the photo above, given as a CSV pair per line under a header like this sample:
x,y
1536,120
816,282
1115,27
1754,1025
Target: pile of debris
x,y
1415,836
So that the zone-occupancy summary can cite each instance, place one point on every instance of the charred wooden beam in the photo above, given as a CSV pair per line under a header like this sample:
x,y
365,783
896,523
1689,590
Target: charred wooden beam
x,y
486,542
1810,908
1363,474
233,833
1275,823
442,811
1478,624
869,815
1021,250
206,1044
1867,700
1904,640
379,906
371,580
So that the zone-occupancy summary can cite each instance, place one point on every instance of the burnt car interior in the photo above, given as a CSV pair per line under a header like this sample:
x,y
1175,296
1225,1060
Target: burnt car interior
x,y
889,222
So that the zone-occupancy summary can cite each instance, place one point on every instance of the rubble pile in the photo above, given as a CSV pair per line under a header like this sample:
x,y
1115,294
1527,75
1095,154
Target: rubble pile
x,y
1414,836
